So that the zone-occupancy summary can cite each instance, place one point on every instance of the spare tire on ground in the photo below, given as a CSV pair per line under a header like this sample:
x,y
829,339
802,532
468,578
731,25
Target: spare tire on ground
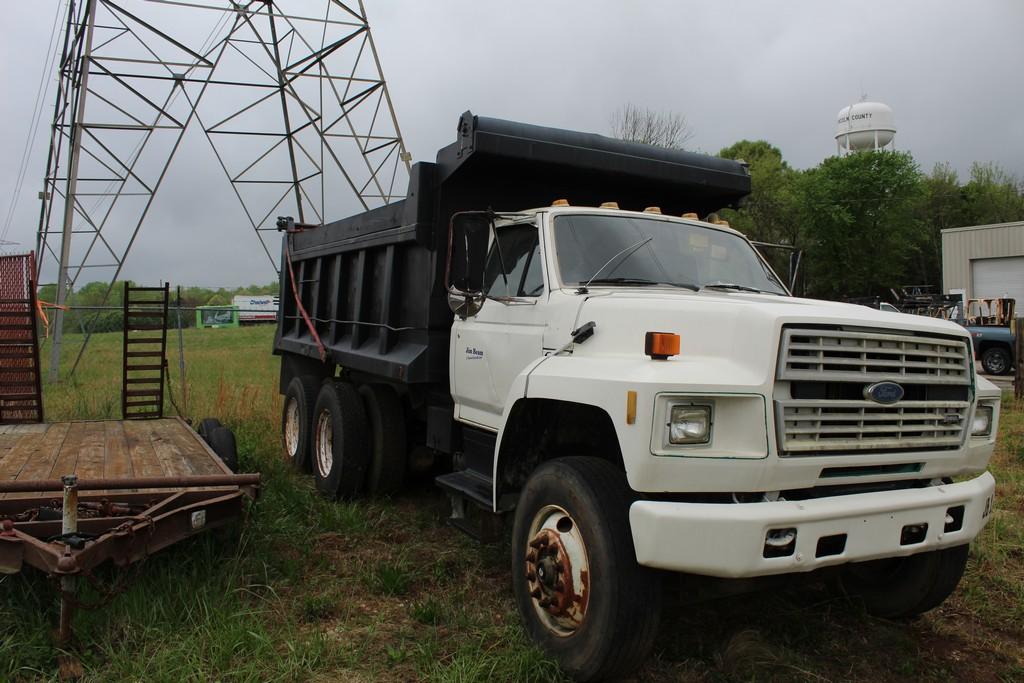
x,y
222,442
207,425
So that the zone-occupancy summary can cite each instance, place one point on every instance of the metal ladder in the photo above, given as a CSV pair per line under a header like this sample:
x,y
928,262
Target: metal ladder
x,y
21,395
145,349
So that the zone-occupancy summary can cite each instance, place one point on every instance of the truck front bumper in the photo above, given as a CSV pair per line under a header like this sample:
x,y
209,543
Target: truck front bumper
x,y
729,540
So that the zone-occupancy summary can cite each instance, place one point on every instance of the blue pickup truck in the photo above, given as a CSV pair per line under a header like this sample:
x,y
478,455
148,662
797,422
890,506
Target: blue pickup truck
x,y
993,345
993,341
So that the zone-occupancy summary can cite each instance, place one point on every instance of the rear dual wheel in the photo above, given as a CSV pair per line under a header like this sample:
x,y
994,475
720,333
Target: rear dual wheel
x,y
349,438
297,420
339,440
385,472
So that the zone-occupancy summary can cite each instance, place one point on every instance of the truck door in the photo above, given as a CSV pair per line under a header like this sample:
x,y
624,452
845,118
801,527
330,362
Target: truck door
x,y
490,349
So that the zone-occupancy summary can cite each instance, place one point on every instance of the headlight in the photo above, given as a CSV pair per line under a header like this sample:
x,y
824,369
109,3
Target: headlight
x,y
689,424
982,423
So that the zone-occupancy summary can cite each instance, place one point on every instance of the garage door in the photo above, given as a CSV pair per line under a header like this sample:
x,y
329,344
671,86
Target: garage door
x,y
999,277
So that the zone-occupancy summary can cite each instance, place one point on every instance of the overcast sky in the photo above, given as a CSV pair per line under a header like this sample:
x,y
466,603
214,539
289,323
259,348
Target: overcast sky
x,y
951,71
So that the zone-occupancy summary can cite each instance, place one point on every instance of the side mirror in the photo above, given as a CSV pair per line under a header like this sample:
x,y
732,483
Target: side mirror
x,y
465,304
468,233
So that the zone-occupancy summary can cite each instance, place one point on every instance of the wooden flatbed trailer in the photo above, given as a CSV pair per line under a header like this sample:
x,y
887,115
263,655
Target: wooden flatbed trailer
x,y
76,494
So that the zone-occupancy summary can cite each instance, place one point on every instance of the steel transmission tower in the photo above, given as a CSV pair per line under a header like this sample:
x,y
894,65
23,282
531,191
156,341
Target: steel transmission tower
x,y
289,94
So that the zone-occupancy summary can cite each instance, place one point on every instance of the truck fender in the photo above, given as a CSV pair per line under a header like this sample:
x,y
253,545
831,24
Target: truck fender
x,y
530,409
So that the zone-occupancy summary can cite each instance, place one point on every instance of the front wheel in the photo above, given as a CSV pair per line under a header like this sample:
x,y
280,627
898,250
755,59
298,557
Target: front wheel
x,y
902,587
582,596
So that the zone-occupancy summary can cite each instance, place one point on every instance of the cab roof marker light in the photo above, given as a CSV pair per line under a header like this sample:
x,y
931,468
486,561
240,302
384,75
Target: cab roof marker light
x,y
661,345
691,215
609,205
653,209
560,202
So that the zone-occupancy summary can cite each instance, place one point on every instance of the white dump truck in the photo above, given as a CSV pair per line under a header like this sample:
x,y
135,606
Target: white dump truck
x,y
546,319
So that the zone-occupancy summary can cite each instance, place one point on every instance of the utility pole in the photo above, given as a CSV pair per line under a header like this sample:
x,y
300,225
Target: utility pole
x,y
69,195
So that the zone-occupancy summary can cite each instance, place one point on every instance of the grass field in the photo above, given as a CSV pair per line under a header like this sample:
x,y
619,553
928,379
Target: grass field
x,y
384,591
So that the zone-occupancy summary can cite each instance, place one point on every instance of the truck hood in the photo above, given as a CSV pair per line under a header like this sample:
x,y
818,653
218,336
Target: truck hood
x,y
719,329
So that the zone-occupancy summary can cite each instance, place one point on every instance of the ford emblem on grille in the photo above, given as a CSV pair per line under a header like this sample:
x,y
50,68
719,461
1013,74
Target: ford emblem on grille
x,y
883,392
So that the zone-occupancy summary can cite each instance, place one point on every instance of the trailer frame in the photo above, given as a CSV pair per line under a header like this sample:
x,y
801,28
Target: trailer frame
x,y
90,520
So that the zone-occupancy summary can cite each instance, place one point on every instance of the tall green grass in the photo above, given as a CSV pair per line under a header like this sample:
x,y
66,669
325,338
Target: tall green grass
x,y
216,607
301,589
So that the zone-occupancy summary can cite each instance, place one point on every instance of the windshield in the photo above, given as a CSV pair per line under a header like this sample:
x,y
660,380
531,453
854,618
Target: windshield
x,y
647,251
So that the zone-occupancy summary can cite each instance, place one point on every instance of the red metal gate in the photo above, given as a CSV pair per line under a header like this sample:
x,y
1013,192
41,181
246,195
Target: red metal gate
x,y
21,397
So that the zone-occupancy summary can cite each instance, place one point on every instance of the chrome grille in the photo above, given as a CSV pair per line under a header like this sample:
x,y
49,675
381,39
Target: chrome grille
x,y
832,367
823,426
863,356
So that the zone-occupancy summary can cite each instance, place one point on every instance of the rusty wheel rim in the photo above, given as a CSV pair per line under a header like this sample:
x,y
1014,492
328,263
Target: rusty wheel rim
x,y
291,427
324,443
557,571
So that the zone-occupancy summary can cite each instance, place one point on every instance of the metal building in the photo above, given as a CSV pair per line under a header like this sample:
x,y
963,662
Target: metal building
x,y
985,261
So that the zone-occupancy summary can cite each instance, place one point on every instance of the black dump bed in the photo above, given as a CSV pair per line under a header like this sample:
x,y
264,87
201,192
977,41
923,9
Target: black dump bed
x,y
372,284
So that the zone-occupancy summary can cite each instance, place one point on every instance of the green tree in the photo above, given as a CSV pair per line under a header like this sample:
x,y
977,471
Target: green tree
x,y
941,205
859,224
993,196
770,212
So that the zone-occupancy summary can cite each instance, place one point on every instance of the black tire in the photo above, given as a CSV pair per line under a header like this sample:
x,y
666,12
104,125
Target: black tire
x,y
300,397
207,425
339,465
222,442
996,361
622,608
952,563
903,587
386,421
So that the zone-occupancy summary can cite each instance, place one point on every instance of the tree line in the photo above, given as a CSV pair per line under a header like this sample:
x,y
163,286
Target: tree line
x,y
83,303
868,221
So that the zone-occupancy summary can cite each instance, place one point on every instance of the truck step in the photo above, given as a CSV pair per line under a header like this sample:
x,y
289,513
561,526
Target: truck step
x,y
482,524
470,485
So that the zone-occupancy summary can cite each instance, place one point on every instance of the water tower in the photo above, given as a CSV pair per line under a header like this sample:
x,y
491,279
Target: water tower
x,y
864,126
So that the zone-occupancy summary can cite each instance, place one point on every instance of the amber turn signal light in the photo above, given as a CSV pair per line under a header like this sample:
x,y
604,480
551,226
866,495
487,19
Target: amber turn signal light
x,y
661,345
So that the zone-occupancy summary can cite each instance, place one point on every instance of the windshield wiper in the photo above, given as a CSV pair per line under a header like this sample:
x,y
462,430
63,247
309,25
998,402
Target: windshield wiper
x,y
730,285
642,282
628,251
621,281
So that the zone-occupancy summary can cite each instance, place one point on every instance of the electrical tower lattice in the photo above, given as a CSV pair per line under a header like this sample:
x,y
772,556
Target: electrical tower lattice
x,y
289,94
